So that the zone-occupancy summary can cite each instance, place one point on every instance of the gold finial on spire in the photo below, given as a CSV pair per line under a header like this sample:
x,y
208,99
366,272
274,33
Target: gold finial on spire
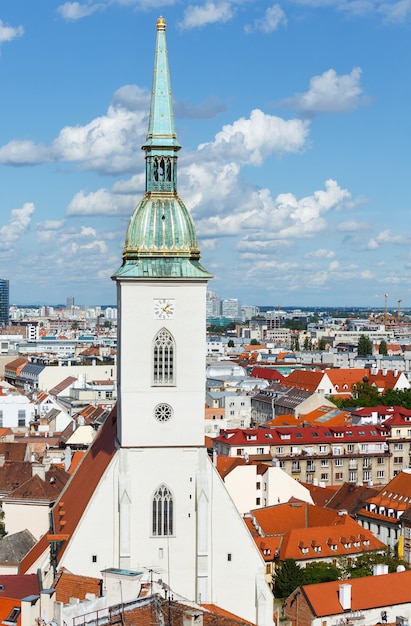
x,y
161,23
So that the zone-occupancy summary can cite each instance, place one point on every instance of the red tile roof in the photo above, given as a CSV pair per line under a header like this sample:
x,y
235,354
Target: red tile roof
x,y
366,593
18,586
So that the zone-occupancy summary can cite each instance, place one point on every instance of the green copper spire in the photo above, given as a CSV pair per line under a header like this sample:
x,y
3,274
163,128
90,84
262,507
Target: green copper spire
x,y
161,240
161,130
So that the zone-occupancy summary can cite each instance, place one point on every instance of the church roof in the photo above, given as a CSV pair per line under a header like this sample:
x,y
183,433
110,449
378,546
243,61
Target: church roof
x,y
161,239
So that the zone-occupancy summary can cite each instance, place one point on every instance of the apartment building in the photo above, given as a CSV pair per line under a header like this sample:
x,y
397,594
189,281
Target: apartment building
x,y
321,455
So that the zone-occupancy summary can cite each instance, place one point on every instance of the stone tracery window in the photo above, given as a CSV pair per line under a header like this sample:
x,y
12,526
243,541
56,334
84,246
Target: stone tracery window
x,y
163,355
162,521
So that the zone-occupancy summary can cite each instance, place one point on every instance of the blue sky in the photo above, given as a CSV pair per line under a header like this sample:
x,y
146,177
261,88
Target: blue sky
x,y
295,123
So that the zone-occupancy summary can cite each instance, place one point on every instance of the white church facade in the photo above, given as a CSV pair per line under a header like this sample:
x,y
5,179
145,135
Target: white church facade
x,y
147,495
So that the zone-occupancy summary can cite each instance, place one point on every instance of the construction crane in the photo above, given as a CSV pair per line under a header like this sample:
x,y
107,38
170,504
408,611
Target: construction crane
x,y
386,296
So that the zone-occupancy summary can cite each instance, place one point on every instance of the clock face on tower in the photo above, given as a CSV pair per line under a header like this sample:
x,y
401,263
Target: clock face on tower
x,y
164,309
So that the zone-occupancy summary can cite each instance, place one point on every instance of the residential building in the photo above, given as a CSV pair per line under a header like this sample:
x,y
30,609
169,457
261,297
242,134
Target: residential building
x,y
254,485
382,513
307,533
147,482
316,454
379,599
4,302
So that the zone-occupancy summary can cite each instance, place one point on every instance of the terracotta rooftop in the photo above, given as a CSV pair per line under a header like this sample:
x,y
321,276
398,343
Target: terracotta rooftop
x,y
366,593
68,585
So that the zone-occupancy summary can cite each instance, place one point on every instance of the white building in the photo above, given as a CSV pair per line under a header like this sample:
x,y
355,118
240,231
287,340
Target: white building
x,y
16,410
254,486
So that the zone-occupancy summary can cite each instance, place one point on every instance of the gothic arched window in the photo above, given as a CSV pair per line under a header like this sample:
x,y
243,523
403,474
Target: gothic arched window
x,y
162,522
163,359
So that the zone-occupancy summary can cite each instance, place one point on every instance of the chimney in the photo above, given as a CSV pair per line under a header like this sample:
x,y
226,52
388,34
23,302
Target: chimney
x,y
344,596
379,568
38,469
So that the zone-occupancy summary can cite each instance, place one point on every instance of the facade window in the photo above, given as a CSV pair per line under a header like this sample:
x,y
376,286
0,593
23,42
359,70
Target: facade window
x,y
324,476
21,417
350,447
258,501
338,476
352,477
338,462
1,418
380,474
398,446
366,476
380,460
13,615
164,355
397,460
240,451
364,447
162,512
260,450
324,462
279,450
258,485
323,449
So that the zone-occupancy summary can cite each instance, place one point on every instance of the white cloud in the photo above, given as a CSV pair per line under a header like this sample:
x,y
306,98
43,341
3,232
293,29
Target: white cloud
x,y
108,144
100,202
321,253
274,18
73,11
352,226
329,93
17,225
263,222
252,140
386,237
394,11
208,13
24,153
8,33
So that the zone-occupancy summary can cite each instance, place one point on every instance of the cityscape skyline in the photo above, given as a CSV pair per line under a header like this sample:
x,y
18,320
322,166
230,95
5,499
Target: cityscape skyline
x,y
294,159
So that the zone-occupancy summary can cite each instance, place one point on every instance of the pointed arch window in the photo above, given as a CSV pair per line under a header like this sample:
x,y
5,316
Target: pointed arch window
x,y
163,514
163,359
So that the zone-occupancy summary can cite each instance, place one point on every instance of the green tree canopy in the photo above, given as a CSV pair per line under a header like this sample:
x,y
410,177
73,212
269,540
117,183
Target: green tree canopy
x,y
364,346
288,576
254,342
321,344
320,572
230,343
383,347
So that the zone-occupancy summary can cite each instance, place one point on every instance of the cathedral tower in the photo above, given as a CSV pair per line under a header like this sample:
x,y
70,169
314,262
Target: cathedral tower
x,y
161,288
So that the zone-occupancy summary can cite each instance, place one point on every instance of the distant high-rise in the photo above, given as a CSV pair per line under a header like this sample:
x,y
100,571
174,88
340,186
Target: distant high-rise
x,y
69,303
4,302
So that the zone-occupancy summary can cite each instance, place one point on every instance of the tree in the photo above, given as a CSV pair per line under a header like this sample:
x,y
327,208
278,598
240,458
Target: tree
x,y
287,577
321,344
364,346
254,342
320,572
308,344
363,565
230,343
383,347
